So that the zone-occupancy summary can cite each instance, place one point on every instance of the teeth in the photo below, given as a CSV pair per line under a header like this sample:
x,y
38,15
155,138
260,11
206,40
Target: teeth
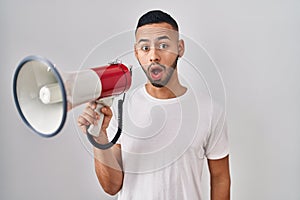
x,y
156,71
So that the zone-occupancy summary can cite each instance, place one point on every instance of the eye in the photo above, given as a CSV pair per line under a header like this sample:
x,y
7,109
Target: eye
x,y
163,46
145,48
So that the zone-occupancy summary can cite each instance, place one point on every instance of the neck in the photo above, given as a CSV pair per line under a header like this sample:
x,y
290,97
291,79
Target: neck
x,y
172,90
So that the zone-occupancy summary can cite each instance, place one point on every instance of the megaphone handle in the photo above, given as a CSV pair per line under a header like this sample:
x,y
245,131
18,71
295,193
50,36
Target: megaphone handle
x,y
117,135
94,130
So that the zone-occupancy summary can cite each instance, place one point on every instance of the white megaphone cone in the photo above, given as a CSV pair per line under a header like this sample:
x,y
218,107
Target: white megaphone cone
x,y
43,95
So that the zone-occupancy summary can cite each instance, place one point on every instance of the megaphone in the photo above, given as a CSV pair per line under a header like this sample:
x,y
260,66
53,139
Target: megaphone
x,y
43,95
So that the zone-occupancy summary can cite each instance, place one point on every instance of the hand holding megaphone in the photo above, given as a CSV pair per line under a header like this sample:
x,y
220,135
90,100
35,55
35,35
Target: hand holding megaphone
x,y
43,95
92,129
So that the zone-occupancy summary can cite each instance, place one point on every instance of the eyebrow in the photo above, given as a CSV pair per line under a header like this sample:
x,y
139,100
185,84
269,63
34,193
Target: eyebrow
x,y
157,39
162,38
143,40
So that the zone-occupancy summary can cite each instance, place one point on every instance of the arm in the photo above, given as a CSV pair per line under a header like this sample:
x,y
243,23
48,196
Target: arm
x,y
108,169
108,163
219,178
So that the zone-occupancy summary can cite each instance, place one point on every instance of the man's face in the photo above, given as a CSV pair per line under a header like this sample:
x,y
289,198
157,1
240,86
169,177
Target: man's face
x,y
157,49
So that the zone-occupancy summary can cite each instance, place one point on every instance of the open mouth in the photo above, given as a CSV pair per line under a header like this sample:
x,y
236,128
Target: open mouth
x,y
156,72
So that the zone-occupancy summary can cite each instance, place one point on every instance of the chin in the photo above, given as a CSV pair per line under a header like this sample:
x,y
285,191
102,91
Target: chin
x,y
157,85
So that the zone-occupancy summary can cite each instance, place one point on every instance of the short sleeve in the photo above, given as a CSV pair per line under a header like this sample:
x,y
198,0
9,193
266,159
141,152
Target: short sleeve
x,y
217,142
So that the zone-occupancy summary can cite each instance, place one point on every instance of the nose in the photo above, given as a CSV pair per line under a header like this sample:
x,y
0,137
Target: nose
x,y
154,55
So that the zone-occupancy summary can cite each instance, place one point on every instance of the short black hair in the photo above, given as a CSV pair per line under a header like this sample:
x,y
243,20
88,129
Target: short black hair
x,y
156,16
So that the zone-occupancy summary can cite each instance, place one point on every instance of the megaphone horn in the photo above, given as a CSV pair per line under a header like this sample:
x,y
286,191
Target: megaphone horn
x,y
43,95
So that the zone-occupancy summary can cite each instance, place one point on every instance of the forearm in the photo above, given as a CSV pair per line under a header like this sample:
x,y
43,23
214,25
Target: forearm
x,y
220,188
108,169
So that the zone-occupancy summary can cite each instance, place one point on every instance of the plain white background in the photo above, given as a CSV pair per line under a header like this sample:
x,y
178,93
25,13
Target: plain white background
x,y
254,43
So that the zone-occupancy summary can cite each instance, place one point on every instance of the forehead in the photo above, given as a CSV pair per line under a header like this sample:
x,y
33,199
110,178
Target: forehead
x,y
154,31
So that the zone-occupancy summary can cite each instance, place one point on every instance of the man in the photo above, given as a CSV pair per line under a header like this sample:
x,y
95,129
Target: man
x,y
168,128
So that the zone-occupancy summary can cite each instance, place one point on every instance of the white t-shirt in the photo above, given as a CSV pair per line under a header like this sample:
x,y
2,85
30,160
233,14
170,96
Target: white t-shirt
x,y
164,143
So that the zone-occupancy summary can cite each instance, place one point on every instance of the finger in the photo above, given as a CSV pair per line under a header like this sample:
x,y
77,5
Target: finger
x,y
91,112
82,123
90,119
89,115
106,111
107,117
92,105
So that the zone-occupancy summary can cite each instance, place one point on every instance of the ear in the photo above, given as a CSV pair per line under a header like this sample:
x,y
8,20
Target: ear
x,y
180,48
135,51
